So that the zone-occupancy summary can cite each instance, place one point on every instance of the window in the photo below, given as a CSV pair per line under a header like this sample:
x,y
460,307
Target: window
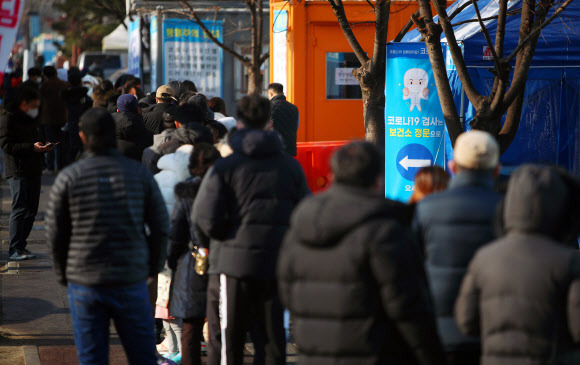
x,y
241,73
340,83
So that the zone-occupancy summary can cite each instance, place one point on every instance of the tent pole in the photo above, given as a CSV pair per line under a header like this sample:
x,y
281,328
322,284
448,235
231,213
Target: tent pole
x,y
462,108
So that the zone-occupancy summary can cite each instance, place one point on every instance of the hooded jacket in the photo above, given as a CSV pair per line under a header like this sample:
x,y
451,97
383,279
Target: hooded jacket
x,y
173,171
18,133
453,225
522,292
190,133
132,136
188,289
53,107
244,205
352,277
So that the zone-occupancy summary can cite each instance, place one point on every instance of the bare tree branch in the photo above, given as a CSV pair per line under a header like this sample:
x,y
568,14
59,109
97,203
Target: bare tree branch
x,y
526,53
486,34
406,27
432,34
371,4
193,14
264,57
457,55
340,14
537,30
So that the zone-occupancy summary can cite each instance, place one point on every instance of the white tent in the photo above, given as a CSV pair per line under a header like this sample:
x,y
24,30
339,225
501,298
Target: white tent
x,y
117,40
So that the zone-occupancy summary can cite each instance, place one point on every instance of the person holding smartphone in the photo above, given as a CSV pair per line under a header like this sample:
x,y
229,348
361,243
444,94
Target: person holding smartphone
x,y
23,154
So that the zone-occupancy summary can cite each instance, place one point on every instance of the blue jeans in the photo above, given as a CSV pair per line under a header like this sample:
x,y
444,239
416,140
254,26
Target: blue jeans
x,y
25,192
92,308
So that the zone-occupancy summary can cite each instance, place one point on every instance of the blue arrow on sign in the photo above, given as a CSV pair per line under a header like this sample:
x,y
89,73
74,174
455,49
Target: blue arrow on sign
x,y
411,158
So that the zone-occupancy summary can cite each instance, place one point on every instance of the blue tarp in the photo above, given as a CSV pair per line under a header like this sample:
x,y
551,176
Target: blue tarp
x,y
549,126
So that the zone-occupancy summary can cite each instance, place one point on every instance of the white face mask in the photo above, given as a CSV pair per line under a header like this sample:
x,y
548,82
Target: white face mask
x,y
32,113
38,80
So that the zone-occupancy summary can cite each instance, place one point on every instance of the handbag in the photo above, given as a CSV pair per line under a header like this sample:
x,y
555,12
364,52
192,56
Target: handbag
x,y
200,255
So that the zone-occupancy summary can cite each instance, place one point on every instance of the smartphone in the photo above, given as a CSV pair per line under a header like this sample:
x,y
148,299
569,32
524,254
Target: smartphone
x,y
51,144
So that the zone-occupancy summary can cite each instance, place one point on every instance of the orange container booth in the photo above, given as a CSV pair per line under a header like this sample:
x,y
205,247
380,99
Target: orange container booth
x,y
310,57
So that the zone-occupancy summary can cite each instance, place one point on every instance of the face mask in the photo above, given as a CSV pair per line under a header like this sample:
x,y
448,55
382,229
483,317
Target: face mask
x,y
38,80
32,113
90,92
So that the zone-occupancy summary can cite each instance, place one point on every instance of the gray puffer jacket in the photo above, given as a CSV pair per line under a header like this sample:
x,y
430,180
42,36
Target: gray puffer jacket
x,y
522,292
96,221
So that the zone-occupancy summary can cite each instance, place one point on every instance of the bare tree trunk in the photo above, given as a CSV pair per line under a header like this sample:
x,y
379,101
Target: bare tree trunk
x,y
254,80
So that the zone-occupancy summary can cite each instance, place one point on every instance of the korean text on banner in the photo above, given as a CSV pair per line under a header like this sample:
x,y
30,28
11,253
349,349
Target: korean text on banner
x,y
415,125
155,83
280,47
134,67
10,14
188,54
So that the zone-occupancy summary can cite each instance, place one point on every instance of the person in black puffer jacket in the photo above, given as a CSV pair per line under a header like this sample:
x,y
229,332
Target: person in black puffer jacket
x,y
188,289
189,131
522,291
244,206
132,136
97,215
351,274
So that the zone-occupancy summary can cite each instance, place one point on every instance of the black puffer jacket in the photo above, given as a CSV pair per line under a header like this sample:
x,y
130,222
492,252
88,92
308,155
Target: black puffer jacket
x,y
96,221
453,225
190,133
18,133
132,136
353,279
285,118
188,289
522,292
245,202
153,116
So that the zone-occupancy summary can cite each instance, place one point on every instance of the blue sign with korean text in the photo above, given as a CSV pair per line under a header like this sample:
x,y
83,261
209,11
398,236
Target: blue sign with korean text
x,y
134,64
189,54
415,127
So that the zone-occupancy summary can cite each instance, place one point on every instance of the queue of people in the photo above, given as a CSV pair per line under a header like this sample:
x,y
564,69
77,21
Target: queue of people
x,y
179,212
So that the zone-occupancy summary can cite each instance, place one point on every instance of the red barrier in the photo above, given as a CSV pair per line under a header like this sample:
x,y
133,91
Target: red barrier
x,y
315,160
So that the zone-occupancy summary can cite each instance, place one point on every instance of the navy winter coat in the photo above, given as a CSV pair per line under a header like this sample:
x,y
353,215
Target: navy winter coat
x,y
453,225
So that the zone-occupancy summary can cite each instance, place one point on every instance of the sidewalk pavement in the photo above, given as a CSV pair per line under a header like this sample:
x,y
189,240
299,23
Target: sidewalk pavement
x,y
35,324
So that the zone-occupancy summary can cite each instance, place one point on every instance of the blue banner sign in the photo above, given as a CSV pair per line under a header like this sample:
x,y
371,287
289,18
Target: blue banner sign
x,y
415,127
134,66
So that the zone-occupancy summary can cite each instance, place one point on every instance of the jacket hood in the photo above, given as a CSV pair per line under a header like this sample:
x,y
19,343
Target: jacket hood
x,y
192,133
536,201
256,142
128,125
177,162
326,218
188,188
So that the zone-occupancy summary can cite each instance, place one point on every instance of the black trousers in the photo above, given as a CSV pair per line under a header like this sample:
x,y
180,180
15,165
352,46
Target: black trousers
x,y
465,357
251,305
214,345
25,192
191,336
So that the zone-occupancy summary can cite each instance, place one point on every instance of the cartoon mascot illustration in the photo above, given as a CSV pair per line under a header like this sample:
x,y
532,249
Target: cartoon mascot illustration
x,y
416,81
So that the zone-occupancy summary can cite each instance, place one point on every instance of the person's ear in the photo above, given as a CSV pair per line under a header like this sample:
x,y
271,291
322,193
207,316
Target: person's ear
x,y
83,137
177,124
452,166
379,185
269,126
497,169
118,111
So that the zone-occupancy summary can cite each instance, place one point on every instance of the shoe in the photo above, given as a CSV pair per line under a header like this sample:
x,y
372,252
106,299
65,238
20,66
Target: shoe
x,y
18,256
176,358
28,254
162,348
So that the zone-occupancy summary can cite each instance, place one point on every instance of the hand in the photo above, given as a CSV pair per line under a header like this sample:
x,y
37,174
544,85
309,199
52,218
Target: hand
x,y
405,92
40,147
425,92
